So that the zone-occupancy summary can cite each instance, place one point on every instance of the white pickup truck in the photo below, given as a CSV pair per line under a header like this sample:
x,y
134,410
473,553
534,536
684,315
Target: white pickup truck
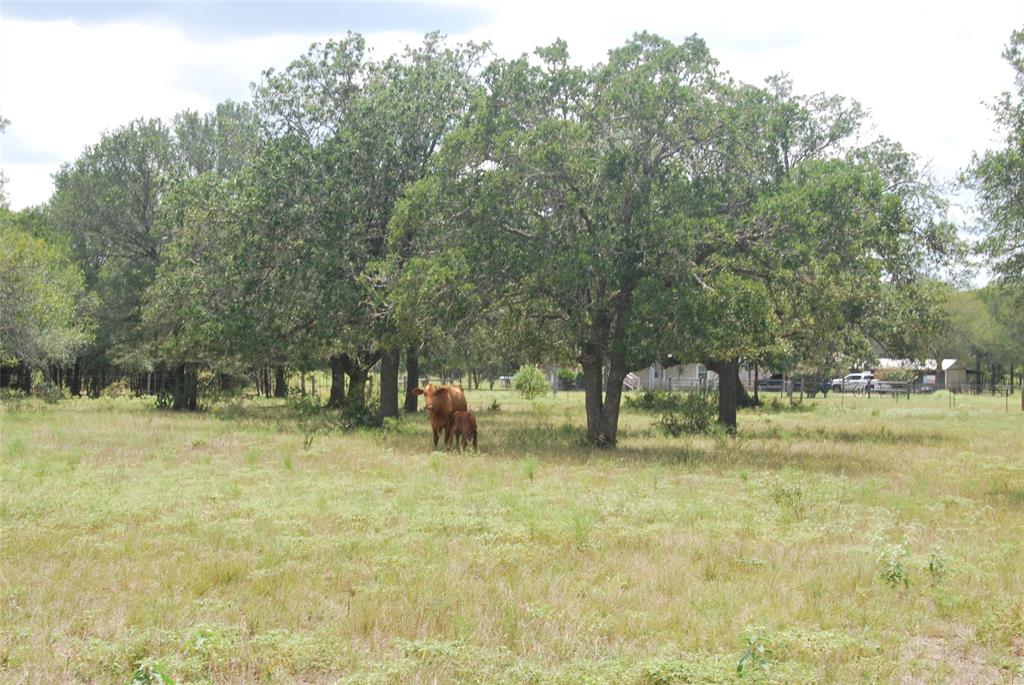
x,y
853,382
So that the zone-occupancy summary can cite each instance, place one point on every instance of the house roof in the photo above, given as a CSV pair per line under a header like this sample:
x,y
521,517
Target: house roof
x,y
916,364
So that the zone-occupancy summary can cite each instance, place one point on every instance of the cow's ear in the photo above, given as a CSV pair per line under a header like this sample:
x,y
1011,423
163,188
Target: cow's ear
x,y
441,391
416,391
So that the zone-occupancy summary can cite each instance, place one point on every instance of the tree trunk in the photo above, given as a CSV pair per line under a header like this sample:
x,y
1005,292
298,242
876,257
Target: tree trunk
x,y
729,391
602,412
356,398
340,365
24,377
389,362
280,382
184,388
412,378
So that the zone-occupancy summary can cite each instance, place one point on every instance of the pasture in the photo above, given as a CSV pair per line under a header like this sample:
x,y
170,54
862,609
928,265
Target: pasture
x,y
856,540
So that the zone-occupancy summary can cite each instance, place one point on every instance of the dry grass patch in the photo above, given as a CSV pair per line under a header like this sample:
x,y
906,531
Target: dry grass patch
x,y
228,547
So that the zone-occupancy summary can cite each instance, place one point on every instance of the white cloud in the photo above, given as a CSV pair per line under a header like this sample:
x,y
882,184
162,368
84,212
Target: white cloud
x,y
921,68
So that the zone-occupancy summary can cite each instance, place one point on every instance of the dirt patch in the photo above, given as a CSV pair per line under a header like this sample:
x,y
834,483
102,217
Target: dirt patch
x,y
951,658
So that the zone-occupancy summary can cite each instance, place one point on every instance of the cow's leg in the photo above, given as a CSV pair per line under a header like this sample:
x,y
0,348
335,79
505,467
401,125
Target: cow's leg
x,y
474,441
436,435
447,437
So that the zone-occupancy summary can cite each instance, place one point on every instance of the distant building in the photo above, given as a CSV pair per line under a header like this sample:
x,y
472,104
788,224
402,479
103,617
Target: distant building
x,y
951,373
677,377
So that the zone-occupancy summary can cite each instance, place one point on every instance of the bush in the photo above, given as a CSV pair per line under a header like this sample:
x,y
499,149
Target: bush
x,y
118,388
695,413
530,382
569,379
659,400
48,392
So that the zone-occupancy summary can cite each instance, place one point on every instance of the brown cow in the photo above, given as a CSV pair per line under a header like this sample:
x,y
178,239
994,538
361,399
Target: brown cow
x,y
464,429
442,402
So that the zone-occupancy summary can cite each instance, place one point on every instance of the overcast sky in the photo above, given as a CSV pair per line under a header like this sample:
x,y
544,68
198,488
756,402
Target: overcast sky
x,y
70,70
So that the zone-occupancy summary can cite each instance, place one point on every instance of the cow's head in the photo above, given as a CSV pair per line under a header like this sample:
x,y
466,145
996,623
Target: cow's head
x,y
431,393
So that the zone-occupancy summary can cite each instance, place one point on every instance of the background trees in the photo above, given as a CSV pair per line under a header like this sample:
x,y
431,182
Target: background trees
x,y
649,206
44,308
362,211
997,176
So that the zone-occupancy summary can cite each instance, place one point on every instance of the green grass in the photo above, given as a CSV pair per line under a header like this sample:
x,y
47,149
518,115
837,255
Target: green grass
x,y
864,540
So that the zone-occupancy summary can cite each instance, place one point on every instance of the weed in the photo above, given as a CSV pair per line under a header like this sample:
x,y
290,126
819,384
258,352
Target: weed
x,y
892,565
150,672
757,654
936,565
287,462
530,466
1003,623
789,497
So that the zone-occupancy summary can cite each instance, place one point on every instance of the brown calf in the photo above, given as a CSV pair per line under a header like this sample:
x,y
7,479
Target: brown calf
x,y
464,428
442,402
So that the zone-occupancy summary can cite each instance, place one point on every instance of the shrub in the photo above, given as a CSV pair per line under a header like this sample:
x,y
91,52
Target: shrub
x,y
694,414
659,400
892,566
530,382
150,672
118,388
569,379
48,392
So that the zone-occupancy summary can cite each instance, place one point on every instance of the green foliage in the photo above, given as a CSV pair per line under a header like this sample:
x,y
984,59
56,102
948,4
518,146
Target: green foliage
x,y
1004,623
892,562
48,392
659,400
695,414
936,565
757,653
530,382
530,466
150,672
44,308
996,176
789,497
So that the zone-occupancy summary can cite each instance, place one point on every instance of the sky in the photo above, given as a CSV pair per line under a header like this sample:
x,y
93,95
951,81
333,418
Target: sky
x,y
70,70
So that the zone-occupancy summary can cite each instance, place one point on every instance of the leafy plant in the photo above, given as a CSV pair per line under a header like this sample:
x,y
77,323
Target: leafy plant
x,y
694,415
893,569
790,498
150,672
758,652
530,382
530,466
936,565
48,392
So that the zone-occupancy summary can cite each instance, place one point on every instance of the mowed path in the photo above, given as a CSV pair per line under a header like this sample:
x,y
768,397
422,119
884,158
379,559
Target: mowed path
x,y
857,540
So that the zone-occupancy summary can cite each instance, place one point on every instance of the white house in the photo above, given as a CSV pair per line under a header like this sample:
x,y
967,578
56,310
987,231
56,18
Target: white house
x,y
677,377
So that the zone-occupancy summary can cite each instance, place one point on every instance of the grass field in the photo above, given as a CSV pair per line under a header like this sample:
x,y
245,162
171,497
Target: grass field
x,y
857,540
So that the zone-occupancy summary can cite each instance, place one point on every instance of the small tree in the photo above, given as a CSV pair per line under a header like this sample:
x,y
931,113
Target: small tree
x,y
530,382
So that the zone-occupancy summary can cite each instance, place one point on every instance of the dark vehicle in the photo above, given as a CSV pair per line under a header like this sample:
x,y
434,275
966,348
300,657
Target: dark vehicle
x,y
779,384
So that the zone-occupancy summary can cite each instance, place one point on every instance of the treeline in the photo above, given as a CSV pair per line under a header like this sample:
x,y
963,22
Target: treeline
x,y
364,212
